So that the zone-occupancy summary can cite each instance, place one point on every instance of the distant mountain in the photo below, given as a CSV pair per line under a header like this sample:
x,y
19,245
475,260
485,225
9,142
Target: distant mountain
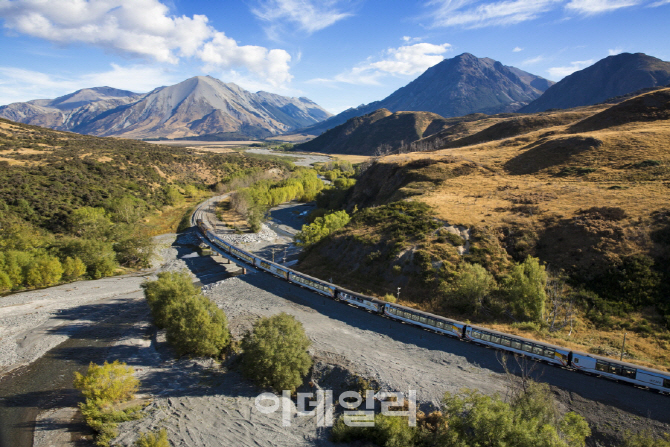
x,y
459,86
69,111
362,135
195,107
613,76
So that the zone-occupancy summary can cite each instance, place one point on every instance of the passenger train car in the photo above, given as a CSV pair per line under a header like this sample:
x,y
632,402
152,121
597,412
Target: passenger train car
x,y
540,351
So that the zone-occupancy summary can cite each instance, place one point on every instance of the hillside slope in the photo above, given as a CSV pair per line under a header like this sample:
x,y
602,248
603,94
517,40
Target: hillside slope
x,y
613,76
584,190
455,87
380,129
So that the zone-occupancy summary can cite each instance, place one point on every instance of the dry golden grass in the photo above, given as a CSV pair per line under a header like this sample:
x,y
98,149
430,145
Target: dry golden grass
x,y
519,183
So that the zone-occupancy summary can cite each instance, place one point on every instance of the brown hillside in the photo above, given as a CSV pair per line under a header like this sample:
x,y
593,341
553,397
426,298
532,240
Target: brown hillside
x,y
585,202
649,107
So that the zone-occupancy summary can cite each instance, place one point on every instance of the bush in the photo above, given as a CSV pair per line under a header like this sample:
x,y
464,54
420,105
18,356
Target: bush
x,y
471,285
197,327
645,439
98,256
73,268
43,271
388,431
194,324
105,388
275,353
525,289
322,227
529,420
155,439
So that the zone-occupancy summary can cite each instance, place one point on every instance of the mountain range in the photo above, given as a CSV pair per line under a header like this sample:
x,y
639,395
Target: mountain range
x,y
455,87
613,76
195,107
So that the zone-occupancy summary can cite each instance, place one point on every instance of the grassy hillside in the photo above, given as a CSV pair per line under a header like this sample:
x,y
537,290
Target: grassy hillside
x,y
74,205
584,191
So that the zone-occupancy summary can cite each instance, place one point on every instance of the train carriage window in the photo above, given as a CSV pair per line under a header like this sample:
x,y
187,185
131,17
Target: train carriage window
x,y
486,337
476,334
415,317
615,369
495,339
601,366
527,347
551,353
629,373
440,325
423,319
516,344
666,383
538,350
505,341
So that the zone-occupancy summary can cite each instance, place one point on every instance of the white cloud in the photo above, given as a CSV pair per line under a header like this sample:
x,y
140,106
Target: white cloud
x,y
406,60
19,85
517,49
309,15
478,14
561,72
224,52
659,3
141,28
534,60
615,51
590,7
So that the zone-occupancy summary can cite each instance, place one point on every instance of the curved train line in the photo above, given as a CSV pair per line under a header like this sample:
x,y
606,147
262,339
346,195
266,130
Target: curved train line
x,y
574,360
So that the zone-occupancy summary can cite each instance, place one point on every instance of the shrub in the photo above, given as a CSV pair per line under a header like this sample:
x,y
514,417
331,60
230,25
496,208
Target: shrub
x,y
155,439
390,298
388,431
275,353
169,288
471,285
525,289
99,256
194,324
322,227
197,327
105,388
73,268
43,271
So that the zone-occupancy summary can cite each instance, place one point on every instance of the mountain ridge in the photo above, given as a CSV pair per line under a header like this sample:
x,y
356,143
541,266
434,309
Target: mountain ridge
x,y
196,106
610,77
458,86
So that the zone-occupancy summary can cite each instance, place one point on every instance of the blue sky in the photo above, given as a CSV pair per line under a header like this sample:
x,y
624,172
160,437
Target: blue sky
x,y
339,53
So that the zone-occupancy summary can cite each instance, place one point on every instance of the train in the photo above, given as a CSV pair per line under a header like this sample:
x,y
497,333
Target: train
x,y
555,355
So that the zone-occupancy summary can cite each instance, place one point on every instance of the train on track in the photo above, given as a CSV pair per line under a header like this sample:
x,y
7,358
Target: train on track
x,y
578,361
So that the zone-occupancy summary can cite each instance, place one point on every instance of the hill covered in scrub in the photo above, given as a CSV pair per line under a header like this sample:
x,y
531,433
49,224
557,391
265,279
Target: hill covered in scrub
x,y
363,135
583,191
74,205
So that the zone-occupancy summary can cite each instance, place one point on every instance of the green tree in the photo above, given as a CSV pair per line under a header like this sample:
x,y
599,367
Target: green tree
x,y
90,223
73,268
172,196
5,282
530,420
275,353
168,289
525,288
99,256
190,191
154,439
194,324
322,227
197,327
43,271
110,383
128,209
472,284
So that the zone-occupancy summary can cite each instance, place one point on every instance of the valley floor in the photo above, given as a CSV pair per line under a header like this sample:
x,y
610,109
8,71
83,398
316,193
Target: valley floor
x,y
202,403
